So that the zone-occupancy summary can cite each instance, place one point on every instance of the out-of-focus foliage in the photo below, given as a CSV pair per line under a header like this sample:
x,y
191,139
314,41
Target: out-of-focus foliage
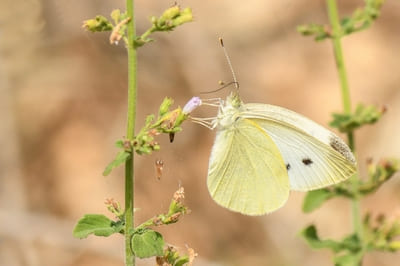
x,y
363,115
378,174
361,19
367,237
349,251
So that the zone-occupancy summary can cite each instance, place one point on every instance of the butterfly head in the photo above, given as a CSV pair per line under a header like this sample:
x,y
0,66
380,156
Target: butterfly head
x,y
234,100
230,111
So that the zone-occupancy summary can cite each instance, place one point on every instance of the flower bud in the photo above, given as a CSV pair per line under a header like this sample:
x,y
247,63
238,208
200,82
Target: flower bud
x,y
185,16
165,105
116,15
99,23
168,15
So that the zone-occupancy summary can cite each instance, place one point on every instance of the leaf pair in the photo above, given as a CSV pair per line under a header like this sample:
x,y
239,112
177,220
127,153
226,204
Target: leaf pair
x,y
363,115
145,242
361,19
350,250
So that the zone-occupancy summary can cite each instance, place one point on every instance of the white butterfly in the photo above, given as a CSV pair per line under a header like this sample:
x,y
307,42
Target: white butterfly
x,y
262,151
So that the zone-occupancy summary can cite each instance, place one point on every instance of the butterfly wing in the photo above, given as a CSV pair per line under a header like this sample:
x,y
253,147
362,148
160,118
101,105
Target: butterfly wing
x,y
246,172
314,156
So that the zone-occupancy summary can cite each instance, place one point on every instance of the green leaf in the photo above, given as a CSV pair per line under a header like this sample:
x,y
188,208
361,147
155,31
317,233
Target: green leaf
x,y
96,224
310,236
172,257
349,249
352,259
362,115
181,261
361,19
315,198
119,144
394,231
320,32
147,243
121,157
165,105
351,243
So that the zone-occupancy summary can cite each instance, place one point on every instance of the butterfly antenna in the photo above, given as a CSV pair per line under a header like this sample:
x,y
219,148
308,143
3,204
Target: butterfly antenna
x,y
222,87
221,41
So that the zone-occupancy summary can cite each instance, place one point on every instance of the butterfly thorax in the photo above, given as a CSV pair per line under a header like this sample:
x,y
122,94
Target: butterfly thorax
x,y
229,112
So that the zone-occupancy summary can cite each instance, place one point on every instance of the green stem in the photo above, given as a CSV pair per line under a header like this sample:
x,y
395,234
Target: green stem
x,y
129,225
340,65
337,47
147,33
129,166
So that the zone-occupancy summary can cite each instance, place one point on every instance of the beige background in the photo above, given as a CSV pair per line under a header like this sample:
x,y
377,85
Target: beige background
x,y
63,104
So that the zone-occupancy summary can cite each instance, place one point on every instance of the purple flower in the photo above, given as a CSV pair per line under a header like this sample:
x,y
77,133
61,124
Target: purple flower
x,y
191,105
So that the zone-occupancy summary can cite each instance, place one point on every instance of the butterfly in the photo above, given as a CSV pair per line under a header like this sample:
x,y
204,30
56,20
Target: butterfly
x,y
262,151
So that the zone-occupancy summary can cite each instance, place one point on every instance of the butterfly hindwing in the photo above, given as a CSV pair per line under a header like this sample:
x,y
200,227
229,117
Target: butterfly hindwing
x,y
246,172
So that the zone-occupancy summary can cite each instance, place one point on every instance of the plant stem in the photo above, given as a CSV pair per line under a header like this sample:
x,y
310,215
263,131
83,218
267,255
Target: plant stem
x,y
129,165
129,186
337,47
147,33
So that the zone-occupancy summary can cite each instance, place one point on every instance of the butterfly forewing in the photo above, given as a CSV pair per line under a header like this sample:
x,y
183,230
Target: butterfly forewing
x,y
314,156
247,173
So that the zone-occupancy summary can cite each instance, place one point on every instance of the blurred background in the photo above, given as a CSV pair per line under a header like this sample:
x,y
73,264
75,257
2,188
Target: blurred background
x,y
63,105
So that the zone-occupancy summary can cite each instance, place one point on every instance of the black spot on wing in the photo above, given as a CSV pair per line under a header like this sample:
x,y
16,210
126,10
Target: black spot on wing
x,y
307,161
288,166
